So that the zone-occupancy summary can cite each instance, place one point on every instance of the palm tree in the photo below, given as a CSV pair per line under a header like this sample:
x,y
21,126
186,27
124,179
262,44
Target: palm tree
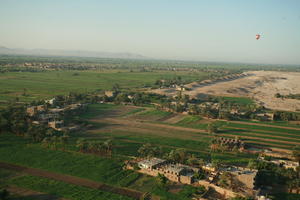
x,y
108,146
4,194
55,141
64,140
211,128
46,142
162,180
81,144
92,147
296,153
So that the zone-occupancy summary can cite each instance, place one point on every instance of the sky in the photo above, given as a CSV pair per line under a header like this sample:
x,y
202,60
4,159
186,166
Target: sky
x,y
202,30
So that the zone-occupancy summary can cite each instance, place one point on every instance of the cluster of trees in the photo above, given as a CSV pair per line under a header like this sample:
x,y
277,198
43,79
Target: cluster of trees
x,y
286,116
136,98
13,119
4,194
176,155
94,147
270,174
211,107
217,145
289,96
54,140
169,82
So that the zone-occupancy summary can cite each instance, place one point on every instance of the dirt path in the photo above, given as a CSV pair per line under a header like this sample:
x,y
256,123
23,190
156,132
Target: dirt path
x,y
34,195
149,124
175,119
73,180
265,125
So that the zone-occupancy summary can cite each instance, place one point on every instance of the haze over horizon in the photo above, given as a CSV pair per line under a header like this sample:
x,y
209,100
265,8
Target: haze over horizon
x,y
218,31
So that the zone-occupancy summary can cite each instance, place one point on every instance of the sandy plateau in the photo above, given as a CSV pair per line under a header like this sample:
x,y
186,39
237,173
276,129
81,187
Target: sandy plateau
x,y
258,85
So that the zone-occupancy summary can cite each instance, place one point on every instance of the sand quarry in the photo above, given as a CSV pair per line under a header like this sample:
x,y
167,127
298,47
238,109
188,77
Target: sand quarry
x,y
258,85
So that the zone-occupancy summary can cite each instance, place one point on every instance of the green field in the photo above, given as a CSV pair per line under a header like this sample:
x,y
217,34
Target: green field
x,y
92,167
133,127
61,189
238,100
29,86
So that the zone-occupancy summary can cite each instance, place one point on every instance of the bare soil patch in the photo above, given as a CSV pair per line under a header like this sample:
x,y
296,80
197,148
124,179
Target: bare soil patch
x,y
258,85
175,118
34,195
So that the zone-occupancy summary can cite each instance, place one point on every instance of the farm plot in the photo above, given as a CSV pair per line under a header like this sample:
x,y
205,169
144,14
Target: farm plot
x,y
263,134
129,132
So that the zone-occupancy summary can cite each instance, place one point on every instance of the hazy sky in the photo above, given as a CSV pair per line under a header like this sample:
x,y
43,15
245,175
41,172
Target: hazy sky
x,y
207,30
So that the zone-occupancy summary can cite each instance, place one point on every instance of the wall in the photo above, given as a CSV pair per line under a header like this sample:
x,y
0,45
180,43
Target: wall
x,y
227,193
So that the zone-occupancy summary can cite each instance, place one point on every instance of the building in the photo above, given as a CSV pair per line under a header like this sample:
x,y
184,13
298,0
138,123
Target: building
x,y
109,93
174,172
56,125
151,164
179,173
33,110
209,168
244,175
288,164
47,117
50,101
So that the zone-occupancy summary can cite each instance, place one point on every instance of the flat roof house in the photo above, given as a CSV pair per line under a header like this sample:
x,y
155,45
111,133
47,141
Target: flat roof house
x,y
151,163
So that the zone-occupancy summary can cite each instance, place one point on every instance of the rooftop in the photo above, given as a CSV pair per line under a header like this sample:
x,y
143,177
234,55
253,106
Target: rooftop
x,y
151,162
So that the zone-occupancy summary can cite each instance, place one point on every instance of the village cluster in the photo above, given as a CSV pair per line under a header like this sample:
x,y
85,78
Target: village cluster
x,y
244,178
53,116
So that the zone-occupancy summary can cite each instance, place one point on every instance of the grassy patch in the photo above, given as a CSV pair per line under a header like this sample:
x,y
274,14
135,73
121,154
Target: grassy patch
x,y
95,110
190,119
273,129
158,113
239,100
135,111
286,196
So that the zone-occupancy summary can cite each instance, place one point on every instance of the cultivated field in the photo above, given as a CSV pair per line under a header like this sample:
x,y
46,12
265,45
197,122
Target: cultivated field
x,y
258,85
29,86
185,131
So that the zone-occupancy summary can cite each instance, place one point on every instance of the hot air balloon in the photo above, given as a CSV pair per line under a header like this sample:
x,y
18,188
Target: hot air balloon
x,y
257,36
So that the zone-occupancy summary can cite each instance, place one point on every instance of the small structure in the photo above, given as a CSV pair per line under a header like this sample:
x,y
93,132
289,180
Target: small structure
x,y
174,172
33,110
56,125
287,164
244,175
209,168
262,197
230,142
151,164
179,173
180,88
109,93
50,101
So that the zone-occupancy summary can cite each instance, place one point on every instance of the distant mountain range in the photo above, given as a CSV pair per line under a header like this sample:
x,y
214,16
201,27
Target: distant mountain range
x,y
75,53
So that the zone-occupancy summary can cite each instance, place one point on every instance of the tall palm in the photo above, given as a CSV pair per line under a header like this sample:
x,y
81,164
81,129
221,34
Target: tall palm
x,y
81,144
108,146
63,141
